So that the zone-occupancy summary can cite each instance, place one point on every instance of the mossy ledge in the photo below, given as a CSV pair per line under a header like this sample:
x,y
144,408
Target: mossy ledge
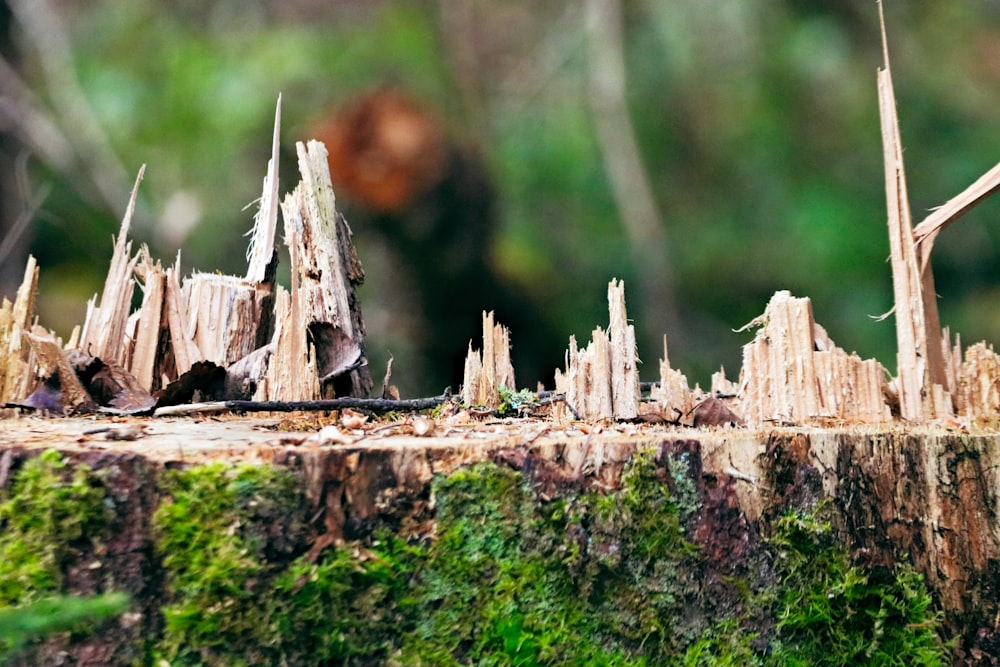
x,y
522,554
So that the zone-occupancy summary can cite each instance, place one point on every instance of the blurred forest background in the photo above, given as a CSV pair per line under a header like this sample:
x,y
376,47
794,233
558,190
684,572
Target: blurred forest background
x,y
708,152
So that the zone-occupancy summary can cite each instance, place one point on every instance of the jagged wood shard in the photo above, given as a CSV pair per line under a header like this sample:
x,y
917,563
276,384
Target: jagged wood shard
x,y
487,371
149,326
952,210
227,317
324,302
673,398
104,329
261,253
792,371
624,360
922,383
15,320
602,380
182,346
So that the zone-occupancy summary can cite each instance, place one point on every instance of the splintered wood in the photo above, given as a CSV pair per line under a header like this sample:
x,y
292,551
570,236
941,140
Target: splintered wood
x,y
793,373
601,381
104,328
487,371
240,338
672,395
263,342
920,364
325,312
925,382
15,320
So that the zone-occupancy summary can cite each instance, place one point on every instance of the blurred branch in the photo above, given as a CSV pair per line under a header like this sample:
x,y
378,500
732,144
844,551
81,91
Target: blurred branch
x,y
46,32
30,208
623,164
459,30
534,73
23,114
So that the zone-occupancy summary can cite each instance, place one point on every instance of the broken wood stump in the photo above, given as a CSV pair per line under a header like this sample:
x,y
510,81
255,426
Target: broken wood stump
x,y
793,372
601,381
488,370
896,502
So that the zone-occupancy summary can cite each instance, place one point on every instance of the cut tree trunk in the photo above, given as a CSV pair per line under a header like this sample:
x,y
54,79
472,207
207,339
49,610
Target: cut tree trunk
x,y
924,497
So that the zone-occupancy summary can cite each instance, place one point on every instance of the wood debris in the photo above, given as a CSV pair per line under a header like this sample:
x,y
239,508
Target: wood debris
x,y
977,391
489,370
15,320
601,381
216,342
921,381
299,346
792,372
323,307
672,397
104,333
927,363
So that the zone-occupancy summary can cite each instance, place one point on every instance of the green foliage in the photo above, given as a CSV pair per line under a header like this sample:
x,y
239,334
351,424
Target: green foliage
x,y
48,513
831,612
19,625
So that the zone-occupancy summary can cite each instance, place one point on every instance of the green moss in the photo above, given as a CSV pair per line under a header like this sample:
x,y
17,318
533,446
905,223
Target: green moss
x,y
826,610
589,578
241,590
508,578
832,612
725,644
349,608
19,625
47,510
512,401
49,514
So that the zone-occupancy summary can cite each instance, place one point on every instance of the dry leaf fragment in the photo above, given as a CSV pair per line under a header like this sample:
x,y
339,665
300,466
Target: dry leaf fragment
x,y
713,412
422,426
330,435
352,419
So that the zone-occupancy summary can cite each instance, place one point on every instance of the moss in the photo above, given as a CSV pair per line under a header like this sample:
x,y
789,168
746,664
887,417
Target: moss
x,y
510,576
49,616
349,608
50,514
833,612
589,578
241,590
725,644
512,401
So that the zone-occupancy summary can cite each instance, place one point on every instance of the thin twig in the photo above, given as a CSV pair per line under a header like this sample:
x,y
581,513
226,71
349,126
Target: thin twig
x,y
376,405
47,32
31,207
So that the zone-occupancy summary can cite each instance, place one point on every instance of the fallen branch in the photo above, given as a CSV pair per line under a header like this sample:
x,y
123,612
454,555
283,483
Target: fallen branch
x,y
376,405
